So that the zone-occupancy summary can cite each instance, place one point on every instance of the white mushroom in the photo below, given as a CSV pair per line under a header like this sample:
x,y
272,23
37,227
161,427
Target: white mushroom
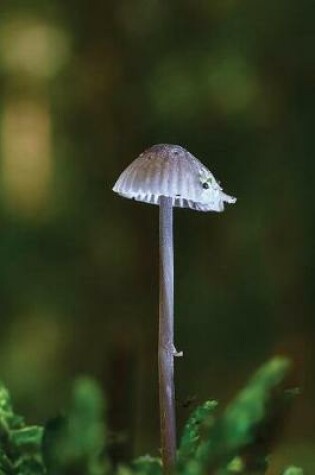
x,y
169,176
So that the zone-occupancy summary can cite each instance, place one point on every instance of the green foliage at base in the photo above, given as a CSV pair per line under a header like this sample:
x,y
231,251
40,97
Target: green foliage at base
x,y
235,440
20,445
74,443
293,471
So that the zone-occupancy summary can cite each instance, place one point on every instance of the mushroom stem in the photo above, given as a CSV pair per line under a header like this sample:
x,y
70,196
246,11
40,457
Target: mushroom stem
x,y
166,336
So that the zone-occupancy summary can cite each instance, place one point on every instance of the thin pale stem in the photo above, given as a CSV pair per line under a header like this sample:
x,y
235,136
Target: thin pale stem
x,y
166,337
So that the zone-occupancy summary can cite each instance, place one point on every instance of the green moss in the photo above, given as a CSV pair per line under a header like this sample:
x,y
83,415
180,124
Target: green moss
x,y
215,441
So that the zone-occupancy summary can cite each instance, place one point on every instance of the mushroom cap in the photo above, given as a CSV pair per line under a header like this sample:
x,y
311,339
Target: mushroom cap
x,y
170,170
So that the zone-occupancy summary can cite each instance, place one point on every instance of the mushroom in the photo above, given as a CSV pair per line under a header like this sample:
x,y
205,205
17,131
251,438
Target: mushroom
x,y
169,176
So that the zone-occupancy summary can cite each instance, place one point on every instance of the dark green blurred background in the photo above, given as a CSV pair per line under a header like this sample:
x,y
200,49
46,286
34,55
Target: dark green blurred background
x,y
86,87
